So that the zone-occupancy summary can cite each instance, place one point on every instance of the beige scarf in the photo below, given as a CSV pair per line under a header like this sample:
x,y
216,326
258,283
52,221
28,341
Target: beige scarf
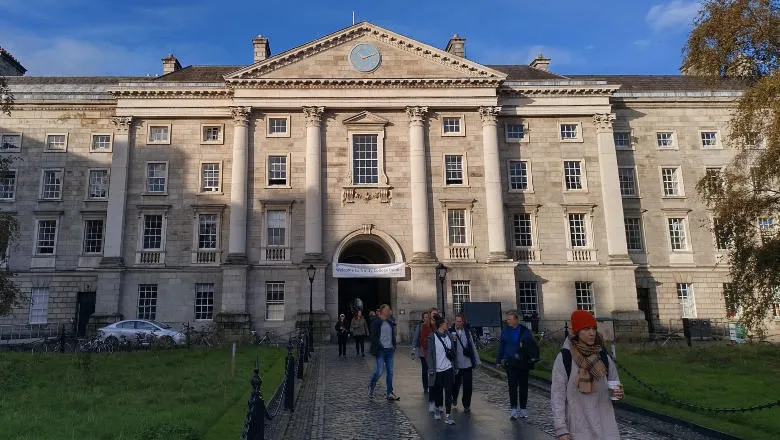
x,y
590,365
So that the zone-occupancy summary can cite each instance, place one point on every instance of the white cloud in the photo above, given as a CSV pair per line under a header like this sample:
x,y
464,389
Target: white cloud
x,y
642,43
675,14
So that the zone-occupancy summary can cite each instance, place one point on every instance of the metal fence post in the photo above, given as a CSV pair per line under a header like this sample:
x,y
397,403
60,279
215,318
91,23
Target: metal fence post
x,y
254,422
289,391
305,349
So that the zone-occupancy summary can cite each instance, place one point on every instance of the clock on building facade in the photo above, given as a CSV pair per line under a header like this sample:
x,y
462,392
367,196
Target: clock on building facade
x,y
365,57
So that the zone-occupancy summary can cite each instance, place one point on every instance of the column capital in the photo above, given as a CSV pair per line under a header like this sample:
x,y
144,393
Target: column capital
x,y
416,114
122,123
240,115
603,121
313,115
489,114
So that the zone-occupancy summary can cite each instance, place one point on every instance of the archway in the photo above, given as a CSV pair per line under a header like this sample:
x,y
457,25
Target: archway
x,y
371,292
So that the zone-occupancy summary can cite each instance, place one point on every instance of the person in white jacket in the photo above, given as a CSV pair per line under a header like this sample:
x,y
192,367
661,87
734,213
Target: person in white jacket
x,y
581,399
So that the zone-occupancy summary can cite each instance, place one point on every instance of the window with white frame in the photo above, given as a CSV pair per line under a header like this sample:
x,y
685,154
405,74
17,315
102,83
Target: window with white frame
x,y
528,297
276,227
518,175
57,142
10,142
365,159
274,300
677,233
456,226
39,305
570,131
51,185
8,185
156,177
522,229
204,301
207,231
152,232
453,169
101,142
278,126
46,237
452,126
147,301
671,181
622,139
277,171
210,177
634,240
98,185
461,293
515,132
93,236
665,139
159,134
709,139
627,181
572,174
212,134
686,299
583,291
578,230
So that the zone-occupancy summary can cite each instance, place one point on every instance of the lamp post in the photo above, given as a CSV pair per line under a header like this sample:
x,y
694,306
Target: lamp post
x,y
441,274
311,271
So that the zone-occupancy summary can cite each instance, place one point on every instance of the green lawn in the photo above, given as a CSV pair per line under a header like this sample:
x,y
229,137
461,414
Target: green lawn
x,y
150,395
713,375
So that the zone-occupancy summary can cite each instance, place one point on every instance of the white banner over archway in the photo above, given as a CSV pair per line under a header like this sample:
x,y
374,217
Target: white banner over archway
x,y
392,270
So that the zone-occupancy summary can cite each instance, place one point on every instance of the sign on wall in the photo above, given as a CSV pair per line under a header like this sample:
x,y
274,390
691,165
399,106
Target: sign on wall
x,y
392,270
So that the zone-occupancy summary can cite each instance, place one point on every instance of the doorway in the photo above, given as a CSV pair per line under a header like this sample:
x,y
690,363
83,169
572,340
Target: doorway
x,y
643,301
363,293
85,307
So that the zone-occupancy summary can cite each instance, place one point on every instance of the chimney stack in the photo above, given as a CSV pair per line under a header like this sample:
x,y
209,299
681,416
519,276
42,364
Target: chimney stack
x,y
541,63
262,48
170,64
457,46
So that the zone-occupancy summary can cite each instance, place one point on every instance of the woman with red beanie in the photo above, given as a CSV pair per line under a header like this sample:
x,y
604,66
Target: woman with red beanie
x,y
580,397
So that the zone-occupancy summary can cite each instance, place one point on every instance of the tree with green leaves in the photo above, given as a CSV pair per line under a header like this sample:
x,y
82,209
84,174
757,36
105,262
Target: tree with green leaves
x,y
741,39
10,295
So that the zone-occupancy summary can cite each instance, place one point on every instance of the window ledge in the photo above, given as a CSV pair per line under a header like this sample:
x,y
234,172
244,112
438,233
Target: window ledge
x,y
50,200
103,150
673,197
631,197
277,187
211,193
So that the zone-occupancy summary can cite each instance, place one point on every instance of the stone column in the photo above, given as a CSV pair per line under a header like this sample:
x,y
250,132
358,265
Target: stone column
x,y
421,239
313,207
493,195
610,187
238,185
117,190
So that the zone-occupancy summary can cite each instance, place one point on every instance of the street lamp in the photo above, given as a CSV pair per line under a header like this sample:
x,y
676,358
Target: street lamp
x,y
311,270
441,274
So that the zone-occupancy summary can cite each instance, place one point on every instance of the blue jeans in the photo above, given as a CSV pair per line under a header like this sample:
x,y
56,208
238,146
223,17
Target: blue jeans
x,y
384,360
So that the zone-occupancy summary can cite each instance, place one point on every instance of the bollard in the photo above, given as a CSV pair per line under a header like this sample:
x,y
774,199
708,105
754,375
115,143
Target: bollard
x,y
289,389
305,348
300,363
254,422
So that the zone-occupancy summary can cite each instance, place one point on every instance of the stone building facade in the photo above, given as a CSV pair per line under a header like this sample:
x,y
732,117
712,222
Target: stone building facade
x,y
204,194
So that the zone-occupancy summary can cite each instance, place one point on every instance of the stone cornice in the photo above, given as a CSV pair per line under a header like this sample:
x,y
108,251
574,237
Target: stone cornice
x,y
171,93
531,90
361,83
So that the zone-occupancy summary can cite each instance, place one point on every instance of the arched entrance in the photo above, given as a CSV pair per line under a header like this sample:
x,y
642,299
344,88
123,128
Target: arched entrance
x,y
371,292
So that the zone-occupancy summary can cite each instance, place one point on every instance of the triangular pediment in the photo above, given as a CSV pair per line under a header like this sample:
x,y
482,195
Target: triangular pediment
x,y
326,61
366,118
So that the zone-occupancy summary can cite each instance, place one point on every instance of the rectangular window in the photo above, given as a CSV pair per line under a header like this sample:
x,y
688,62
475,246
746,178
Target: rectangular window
x,y
522,230
677,234
204,301
583,290
461,293
147,301
709,139
528,298
451,125
622,139
39,305
46,237
633,233
159,134
276,228
207,231
665,139
578,235
212,133
365,159
627,180
453,169
209,176
277,170
101,142
156,177
153,232
685,297
277,125
670,178
51,186
56,142
515,132
10,142
98,184
766,228
572,174
274,300
8,185
569,131
518,175
93,236
456,226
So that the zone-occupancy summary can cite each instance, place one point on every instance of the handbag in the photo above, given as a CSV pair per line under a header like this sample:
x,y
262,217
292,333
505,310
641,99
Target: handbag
x,y
468,350
448,352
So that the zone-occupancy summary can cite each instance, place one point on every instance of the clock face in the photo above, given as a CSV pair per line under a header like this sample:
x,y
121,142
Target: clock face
x,y
365,57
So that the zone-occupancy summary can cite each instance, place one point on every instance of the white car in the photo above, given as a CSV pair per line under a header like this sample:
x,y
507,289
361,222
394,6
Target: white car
x,y
131,329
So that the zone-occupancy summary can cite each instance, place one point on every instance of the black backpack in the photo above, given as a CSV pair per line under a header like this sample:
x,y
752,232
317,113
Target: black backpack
x,y
566,356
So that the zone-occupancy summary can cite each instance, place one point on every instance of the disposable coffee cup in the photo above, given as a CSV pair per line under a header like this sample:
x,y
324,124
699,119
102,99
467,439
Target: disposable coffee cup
x,y
613,385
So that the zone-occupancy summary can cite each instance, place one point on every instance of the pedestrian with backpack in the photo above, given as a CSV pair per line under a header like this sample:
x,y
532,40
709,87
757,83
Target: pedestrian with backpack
x,y
467,360
517,354
442,368
580,397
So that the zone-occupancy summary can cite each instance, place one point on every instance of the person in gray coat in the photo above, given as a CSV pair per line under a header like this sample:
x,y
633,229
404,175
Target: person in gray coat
x,y
442,368
467,360
418,351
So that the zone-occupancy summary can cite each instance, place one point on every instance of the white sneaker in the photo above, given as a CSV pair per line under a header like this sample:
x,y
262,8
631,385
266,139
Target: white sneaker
x,y
431,407
448,420
523,413
436,415
513,414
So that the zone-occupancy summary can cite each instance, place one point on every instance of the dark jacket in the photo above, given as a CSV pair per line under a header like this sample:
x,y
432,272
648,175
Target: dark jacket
x,y
342,333
508,343
376,331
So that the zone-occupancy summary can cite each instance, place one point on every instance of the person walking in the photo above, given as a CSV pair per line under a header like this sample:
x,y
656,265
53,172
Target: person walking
x,y
580,395
383,347
342,333
467,359
425,332
517,353
359,329
443,367
418,348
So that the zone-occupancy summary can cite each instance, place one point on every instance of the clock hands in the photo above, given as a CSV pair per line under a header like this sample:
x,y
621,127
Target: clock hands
x,y
368,56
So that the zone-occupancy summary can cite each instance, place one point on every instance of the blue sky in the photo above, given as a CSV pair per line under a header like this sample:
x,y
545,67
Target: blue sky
x,y
112,37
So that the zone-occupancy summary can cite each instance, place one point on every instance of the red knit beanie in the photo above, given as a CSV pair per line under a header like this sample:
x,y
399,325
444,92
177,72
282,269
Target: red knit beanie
x,y
581,319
